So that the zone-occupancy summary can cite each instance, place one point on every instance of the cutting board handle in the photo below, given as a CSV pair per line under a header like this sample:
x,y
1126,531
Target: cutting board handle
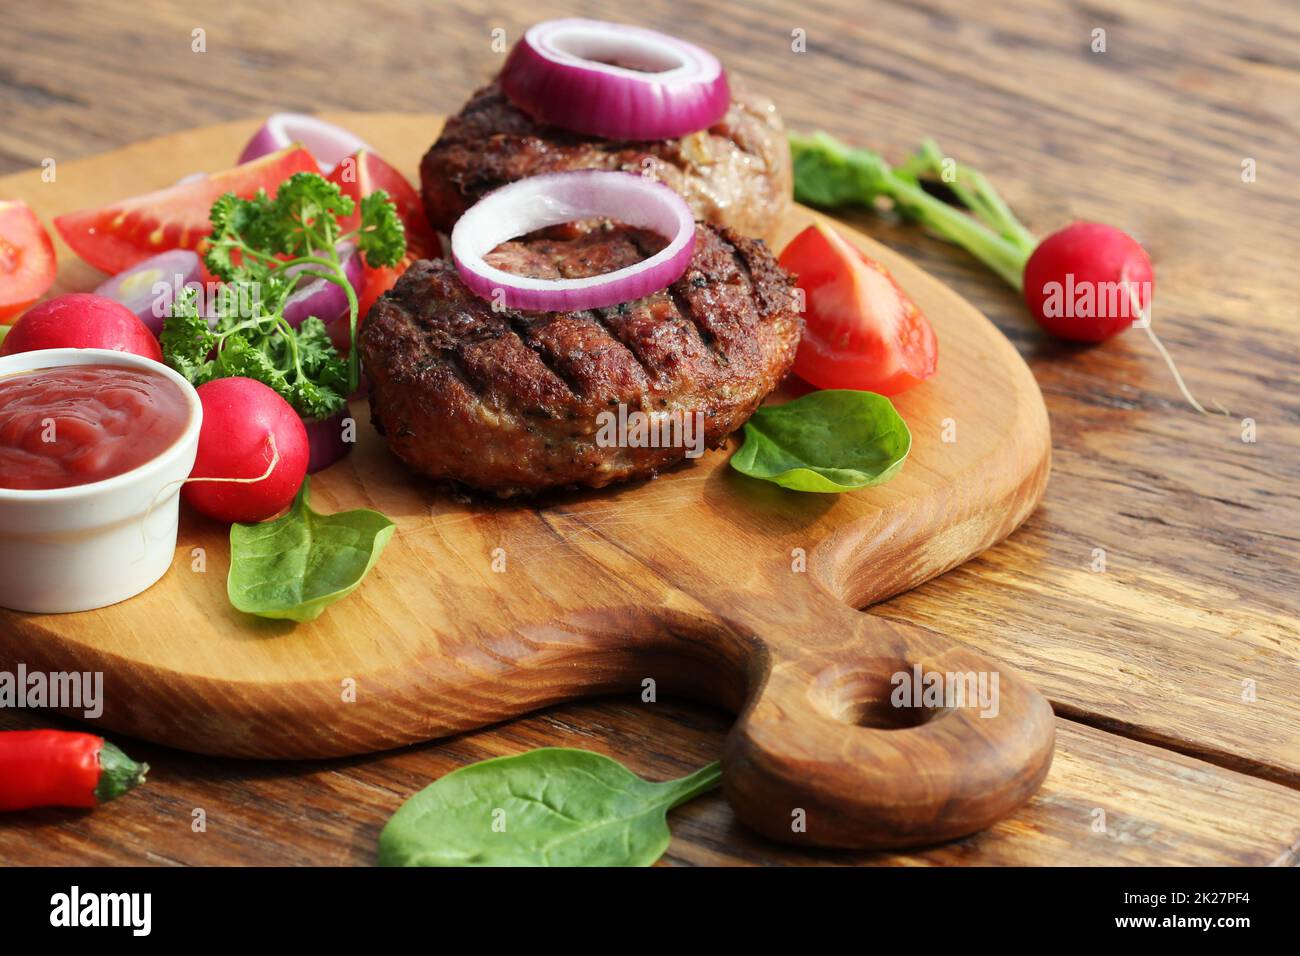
x,y
869,733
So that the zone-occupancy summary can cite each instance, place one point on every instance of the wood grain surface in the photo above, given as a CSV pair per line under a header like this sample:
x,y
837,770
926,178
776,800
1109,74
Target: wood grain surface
x,y
1186,640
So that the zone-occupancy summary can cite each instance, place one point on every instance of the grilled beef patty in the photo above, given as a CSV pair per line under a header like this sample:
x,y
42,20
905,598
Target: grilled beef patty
x,y
510,402
737,173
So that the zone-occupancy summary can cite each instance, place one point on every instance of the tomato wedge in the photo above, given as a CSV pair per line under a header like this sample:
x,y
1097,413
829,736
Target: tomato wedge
x,y
361,174
117,236
862,330
27,263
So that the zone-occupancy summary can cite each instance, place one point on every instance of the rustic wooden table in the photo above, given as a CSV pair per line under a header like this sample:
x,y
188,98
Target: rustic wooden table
x,y
1152,597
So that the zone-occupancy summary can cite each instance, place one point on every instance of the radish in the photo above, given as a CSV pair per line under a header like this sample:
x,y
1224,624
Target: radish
x,y
1086,282
81,320
252,452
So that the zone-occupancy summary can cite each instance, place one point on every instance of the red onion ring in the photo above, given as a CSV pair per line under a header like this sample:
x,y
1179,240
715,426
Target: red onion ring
x,y
560,73
319,297
141,287
325,444
328,144
549,200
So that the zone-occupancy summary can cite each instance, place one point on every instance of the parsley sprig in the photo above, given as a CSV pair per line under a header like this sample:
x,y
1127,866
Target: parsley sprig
x,y
261,249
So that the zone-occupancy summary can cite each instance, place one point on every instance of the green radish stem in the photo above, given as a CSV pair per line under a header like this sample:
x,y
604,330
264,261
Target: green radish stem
x,y
978,195
828,173
859,175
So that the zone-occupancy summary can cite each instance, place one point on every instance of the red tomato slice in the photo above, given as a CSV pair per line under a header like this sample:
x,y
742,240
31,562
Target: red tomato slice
x,y
360,175
117,236
862,330
27,263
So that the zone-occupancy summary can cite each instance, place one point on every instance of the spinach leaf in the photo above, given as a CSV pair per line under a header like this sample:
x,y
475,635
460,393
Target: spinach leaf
x,y
548,807
297,565
828,441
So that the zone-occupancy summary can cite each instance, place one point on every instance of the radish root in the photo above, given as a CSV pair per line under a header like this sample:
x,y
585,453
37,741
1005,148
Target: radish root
x,y
1145,316
275,460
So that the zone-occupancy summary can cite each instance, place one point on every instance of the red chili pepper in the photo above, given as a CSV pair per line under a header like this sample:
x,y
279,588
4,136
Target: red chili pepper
x,y
60,768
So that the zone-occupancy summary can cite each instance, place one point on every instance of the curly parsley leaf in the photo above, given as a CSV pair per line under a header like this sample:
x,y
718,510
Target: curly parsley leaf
x,y
306,215
187,340
240,229
239,358
381,238
318,357
263,248
314,401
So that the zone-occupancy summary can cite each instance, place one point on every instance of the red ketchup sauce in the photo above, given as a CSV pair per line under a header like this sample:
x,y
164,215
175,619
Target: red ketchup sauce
x,y
61,427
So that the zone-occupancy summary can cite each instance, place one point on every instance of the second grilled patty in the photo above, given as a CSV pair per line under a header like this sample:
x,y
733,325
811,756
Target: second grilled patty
x,y
736,173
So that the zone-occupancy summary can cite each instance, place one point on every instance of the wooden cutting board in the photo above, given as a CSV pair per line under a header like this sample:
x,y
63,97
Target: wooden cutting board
x,y
702,582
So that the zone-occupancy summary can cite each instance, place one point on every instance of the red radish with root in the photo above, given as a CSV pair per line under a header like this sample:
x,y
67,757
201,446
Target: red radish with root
x,y
1086,282
1099,265
252,452
1106,266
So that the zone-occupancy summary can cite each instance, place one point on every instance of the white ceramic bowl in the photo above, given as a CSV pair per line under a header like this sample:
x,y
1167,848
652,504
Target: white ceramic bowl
x,y
87,546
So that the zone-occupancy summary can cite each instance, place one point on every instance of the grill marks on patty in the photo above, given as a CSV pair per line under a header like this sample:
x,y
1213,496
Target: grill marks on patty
x,y
508,401
587,352
579,336
665,333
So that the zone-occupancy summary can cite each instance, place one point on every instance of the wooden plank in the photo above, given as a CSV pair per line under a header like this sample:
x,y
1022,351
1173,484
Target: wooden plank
x,y
1159,808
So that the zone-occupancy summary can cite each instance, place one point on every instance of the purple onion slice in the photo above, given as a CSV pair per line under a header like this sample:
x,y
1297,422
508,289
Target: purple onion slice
x,y
326,440
319,297
613,80
549,200
329,144
148,288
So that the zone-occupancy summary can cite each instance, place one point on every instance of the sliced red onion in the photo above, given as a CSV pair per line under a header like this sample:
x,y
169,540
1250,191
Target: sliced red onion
x,y
319,297
149,288
329,144
540,201
340,333
326,441
564,72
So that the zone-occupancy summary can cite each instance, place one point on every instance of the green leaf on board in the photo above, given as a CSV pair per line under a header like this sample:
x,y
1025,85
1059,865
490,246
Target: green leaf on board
x,y
829,441
553,806
297,565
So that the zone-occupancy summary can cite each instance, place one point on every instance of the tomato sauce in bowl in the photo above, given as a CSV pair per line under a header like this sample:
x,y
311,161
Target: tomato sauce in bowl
x,y
62,427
